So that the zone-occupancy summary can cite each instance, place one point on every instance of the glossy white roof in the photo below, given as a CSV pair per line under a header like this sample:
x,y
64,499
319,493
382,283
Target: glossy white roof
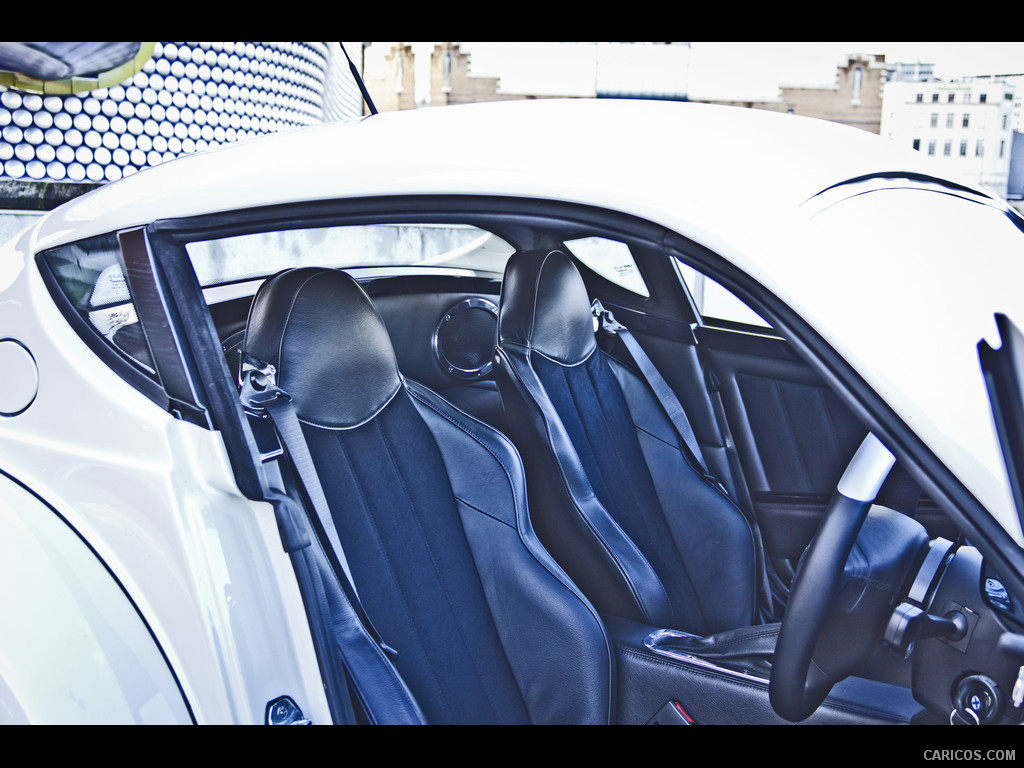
x,y
625,154
732,179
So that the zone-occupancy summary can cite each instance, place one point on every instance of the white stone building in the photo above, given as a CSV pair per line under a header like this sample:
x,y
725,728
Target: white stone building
x,y
967,127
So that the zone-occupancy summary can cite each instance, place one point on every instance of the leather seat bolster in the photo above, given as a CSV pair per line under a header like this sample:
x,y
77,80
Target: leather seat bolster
x,y
620,579
545,624
696,511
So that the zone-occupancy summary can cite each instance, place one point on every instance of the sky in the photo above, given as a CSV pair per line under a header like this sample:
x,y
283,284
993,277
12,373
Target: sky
x,y
813,63
803,59
748,69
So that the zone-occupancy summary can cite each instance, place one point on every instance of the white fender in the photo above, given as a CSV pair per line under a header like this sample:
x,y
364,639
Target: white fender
x,y
73,647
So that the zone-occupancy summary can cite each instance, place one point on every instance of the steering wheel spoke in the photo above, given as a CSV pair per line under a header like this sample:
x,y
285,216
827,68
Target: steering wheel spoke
x,y
840,604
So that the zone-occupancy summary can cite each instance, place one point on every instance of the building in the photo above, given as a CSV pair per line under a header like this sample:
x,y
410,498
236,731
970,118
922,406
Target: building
x,y
966,125
411,75
916,72
400,82
969,125
186,97
854,98
1017,81
59,139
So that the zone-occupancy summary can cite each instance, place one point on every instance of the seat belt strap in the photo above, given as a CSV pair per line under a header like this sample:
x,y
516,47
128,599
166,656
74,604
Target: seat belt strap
x,y
282,412
368,656
662,391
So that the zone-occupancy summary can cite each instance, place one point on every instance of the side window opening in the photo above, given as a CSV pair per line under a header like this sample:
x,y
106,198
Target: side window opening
x,y
239,258
714,301
612,260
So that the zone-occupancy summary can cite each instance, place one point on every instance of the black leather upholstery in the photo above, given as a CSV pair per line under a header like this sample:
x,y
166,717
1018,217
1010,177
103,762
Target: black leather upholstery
x,y
338,366
545,309
431,508
613,495
714,696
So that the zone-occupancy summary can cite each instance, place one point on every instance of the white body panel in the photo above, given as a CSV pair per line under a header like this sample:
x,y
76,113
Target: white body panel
x,y
75,651
156,500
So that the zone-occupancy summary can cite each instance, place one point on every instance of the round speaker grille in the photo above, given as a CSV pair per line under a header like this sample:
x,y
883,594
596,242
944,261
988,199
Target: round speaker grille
x,y
464,339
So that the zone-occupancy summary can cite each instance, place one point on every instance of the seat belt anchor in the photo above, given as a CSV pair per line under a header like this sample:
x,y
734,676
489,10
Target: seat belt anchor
x,y
258,382
604,320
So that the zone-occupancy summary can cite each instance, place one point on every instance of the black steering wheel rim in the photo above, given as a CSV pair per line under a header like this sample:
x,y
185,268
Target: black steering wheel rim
x,y
798,686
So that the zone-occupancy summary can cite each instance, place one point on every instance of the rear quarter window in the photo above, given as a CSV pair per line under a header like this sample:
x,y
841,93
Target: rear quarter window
x,y
89,276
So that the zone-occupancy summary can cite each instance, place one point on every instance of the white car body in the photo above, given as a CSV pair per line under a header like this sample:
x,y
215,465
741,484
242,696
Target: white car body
x,y
213,600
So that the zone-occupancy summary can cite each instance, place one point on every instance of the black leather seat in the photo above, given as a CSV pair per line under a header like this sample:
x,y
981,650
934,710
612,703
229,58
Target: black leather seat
x,y
614,496
431,508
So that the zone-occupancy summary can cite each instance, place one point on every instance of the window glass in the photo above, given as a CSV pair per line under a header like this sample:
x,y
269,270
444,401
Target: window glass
x,y
715,301
91,276
612,260
246,257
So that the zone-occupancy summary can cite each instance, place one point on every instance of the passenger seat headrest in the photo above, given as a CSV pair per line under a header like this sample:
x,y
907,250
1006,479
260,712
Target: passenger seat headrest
x,y
332,352
545,307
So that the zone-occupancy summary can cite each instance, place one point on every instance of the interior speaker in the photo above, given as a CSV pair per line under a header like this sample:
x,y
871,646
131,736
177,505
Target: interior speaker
x,y
465,337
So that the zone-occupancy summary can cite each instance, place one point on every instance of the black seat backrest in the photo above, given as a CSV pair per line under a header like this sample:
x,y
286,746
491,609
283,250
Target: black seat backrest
x,y
430,507
615,498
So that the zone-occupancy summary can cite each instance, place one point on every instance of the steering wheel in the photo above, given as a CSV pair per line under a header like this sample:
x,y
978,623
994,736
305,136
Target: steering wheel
x,y
798,683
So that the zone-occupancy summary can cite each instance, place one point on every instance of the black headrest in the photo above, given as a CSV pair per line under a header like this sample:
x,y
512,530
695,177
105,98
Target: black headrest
x,y
331,349
545,307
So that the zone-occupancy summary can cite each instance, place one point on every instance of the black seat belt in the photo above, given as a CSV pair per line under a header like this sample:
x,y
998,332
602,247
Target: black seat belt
x,y
371,671
662,391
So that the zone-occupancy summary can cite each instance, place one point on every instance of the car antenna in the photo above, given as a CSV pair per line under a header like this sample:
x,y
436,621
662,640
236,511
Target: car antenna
x,y
359,81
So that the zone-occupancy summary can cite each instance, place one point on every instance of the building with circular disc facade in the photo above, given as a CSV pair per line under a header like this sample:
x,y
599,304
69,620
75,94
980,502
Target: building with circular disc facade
x,y
186,98
179,98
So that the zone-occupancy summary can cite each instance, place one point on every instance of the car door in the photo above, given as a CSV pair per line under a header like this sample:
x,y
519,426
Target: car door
x,y
791,435
1003,368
